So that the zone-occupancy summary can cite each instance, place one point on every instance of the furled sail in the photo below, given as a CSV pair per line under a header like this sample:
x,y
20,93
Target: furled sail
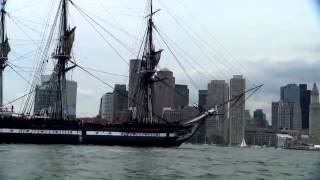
x,y
68,41
4,48
157,57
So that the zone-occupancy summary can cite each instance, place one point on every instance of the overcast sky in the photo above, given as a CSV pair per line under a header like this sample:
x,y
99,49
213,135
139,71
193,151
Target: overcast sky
x,y
270,42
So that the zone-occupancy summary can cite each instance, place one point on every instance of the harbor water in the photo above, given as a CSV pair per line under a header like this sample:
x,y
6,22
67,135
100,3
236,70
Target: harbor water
x,y
185,162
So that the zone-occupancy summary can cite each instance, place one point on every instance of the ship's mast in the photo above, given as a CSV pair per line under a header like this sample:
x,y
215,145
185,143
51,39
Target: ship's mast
x,y
150,59
4,48
150,29
150,64
62,54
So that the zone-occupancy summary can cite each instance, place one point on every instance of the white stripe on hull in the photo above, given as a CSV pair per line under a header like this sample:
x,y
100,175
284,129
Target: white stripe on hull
x,y
88,133
136,134
39,131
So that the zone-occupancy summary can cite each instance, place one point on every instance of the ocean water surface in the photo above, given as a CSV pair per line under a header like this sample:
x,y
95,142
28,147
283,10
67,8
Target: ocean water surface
x,y
185,162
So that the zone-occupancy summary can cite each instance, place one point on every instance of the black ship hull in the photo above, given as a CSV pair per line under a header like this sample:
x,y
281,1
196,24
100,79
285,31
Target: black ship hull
x,y
17,138
42,131
123,140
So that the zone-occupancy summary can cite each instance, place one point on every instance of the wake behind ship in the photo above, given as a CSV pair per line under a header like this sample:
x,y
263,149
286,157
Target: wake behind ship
x,y
143,127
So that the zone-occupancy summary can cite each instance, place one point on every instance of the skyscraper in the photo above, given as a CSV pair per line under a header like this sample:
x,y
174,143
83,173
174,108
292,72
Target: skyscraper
x,y
237,110
289,110
106,107
217,126
286,115
260,119
181,96
304,104
296,116
45,98
120,101
202,99
275,115
314,121
290,93
164,94
200,136
248,119
133,81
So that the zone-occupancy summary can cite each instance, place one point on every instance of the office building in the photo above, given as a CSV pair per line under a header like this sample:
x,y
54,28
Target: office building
x,y
314,121
106,107
248,119
200,136
45,98
275,115
260,119
202,98
133,89
120,102
164,91
305,105
237,110
181,96
217,126
290,93
286,114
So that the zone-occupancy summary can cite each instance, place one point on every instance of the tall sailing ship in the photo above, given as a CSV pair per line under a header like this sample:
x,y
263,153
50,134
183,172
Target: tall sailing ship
x,y
143,127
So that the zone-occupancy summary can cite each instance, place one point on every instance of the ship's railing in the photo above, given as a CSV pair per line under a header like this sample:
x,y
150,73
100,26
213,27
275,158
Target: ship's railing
x,y
6,113
7,109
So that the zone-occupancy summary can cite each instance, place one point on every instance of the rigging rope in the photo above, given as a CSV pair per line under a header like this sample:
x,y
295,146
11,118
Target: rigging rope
x,y
9,64
43,55
21,97
178,61
110,45
84,14
195,42
118,91
228,65
191,58
104,72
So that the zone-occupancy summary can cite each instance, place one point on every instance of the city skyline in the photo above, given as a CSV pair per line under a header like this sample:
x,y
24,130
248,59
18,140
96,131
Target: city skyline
x,y
288,61
234,124
148,89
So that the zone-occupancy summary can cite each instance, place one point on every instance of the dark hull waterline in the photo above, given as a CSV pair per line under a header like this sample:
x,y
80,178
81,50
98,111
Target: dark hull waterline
x,y
88,140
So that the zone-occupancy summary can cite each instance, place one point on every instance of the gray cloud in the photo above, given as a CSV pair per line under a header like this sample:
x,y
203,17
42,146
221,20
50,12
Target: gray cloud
x,y
277,74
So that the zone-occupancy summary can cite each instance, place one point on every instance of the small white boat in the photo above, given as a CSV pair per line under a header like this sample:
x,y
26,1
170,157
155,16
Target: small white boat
x,y
243,143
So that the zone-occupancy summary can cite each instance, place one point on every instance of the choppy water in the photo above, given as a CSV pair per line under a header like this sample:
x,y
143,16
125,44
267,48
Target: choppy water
x,y
185,162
